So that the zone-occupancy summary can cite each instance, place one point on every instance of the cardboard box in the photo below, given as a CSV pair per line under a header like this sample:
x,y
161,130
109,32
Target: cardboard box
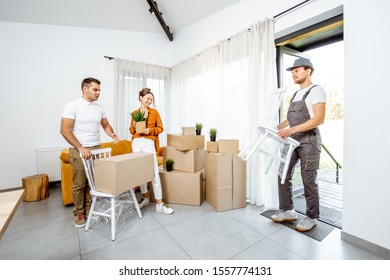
x,y
188,161
187,142
219,168
212,147
219,181
220,197
228,146
181,187
119,173
187,131
225,181
239,182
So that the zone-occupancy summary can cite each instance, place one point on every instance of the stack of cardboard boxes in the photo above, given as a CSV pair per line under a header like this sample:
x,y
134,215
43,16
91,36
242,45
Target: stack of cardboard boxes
x,y
225,176
185,183
218,175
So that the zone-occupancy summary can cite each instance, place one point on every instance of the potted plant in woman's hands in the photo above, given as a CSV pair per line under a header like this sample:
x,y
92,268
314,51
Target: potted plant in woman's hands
x,y
213,134
169,164
140,121
198,128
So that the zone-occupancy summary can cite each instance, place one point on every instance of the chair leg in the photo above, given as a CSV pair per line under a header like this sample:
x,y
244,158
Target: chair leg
x,y
112,218
136,203
271,159
256,145
244,152
287,163
90,213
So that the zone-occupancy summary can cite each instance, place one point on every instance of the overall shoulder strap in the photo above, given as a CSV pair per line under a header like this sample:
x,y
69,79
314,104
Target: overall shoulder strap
x,y
307,92
292,98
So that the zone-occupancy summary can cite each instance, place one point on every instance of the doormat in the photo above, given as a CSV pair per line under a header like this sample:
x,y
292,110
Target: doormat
x,y
327,215
318,233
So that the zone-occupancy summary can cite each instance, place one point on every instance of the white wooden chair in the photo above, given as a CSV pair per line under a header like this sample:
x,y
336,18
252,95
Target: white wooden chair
x,y
109,212
268,141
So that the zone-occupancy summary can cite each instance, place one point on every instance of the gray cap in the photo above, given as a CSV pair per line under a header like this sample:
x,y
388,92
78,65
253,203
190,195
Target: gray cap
x,y
301,62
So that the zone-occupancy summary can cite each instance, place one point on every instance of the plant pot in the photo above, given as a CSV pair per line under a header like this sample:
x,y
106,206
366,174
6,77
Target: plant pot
x,y
140,127
212,138
198,132
169,168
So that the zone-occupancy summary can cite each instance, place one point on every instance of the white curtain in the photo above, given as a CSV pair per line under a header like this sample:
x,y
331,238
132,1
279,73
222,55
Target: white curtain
x,y
226,87
130,78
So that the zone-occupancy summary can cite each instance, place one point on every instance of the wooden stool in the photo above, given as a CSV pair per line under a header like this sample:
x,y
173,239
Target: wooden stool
x,y
36,186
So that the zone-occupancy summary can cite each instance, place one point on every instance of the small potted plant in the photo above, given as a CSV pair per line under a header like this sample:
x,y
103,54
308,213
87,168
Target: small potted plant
x,y
213,134
169,164
140,121
198,128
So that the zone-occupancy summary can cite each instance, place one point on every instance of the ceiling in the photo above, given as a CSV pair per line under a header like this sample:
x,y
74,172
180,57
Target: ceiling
x,y
128,15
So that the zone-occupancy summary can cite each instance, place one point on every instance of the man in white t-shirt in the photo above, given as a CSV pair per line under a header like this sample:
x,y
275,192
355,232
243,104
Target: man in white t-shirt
x,y
305,114
80,126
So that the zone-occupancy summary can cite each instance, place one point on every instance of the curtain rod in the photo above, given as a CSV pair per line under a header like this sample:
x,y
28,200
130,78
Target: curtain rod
x,y
108,57
292,8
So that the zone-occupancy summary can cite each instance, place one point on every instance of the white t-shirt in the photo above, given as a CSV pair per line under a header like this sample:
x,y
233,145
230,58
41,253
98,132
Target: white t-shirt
x,y
87,117
316,95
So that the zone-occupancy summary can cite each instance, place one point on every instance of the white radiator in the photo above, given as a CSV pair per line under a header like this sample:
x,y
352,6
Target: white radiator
x,y
48,162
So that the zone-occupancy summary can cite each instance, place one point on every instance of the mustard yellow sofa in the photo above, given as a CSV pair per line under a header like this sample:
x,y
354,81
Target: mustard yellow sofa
x,y
123,147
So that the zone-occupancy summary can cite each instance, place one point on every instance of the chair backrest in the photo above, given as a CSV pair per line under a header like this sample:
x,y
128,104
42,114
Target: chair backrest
x,y
88,164
274,103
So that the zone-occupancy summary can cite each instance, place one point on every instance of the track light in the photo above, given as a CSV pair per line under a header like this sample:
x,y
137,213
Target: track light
x,y
154,11
151,10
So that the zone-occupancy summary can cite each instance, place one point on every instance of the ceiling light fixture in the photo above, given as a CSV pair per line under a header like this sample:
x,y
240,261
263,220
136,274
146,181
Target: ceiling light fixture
x,y
154,11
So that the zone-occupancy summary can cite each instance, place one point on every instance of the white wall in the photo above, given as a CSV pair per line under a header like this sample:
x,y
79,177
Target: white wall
x,y
208,32
367,134
41,68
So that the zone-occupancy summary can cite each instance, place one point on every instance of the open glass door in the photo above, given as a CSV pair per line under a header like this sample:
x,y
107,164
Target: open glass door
x,y
328,61
287,57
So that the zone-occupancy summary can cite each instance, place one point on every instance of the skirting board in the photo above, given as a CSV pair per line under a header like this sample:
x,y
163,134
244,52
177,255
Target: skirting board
x,y
365,244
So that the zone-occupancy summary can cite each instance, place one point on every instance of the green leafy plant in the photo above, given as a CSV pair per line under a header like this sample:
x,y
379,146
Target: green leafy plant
x,y
198,128
213,134
138,116
169,164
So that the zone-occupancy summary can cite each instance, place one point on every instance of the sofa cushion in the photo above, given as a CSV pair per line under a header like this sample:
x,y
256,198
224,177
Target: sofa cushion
x,y
123,147
64,156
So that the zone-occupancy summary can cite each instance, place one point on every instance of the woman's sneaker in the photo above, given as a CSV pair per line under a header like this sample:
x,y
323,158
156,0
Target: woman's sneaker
x,y
144,202
285,216
161,208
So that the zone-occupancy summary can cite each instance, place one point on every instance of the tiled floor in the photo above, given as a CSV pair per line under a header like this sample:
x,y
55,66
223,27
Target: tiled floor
x,y
44,230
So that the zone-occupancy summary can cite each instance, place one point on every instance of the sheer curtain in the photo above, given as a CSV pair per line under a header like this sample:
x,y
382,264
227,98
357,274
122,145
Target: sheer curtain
x,y
226,87
130,78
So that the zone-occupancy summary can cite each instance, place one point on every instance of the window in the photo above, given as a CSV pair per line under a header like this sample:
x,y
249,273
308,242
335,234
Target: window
x,y
131,77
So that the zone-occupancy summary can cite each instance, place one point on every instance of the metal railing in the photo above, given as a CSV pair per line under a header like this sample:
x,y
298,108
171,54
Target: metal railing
x,y
329,171
338,165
